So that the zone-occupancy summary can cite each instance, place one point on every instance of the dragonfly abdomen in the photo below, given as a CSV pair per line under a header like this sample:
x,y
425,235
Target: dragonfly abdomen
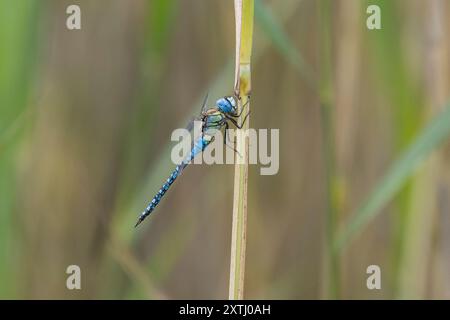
x,y
157,198
198,147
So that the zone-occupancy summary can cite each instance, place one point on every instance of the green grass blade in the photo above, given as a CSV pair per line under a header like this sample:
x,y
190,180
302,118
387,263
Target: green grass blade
x,y
18,43
274,31
427,141
162,14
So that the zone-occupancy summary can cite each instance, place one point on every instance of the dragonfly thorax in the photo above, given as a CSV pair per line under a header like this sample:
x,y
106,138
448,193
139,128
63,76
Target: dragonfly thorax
x,y
213,120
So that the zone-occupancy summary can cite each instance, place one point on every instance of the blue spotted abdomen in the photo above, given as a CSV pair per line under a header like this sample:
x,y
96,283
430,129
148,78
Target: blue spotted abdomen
x,y
198,147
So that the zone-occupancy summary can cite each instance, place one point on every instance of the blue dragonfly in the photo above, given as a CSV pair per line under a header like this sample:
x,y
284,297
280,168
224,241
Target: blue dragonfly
x,y
212,120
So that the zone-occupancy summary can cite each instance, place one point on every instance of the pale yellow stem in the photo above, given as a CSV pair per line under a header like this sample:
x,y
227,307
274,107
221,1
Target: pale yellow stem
x,y
244,32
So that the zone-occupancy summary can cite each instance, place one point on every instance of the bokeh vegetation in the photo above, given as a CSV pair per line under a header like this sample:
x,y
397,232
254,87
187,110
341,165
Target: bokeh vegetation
x,y
85,124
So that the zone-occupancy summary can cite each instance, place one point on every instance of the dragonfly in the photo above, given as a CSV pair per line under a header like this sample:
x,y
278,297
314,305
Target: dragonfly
x,y
212,120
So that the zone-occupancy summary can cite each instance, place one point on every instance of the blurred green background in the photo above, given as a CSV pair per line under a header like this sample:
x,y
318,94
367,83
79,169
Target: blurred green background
x,y
85,124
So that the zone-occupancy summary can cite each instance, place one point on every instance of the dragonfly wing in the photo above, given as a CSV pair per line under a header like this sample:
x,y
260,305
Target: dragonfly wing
x,y
204,102
191,124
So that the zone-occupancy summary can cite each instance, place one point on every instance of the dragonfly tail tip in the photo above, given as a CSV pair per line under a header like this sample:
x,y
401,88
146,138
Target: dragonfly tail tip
x,y
138,222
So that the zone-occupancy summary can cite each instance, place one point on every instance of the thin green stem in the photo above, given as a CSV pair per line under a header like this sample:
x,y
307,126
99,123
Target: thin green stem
x,y
326,109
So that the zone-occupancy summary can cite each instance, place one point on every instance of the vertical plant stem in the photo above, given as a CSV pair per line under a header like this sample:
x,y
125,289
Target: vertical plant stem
x,y
326,109
438,91
244,10
420,230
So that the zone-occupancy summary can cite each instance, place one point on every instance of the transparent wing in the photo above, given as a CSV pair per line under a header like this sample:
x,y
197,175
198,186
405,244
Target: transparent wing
x,y
204,103
194,127
190,125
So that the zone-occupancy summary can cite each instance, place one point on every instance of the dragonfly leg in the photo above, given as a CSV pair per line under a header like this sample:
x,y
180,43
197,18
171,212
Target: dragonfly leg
x,y
245,119
227,126
242,110
225,139
235,122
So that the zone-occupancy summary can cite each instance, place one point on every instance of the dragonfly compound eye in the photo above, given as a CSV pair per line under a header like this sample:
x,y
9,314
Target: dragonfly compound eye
x,y
232,101
226,104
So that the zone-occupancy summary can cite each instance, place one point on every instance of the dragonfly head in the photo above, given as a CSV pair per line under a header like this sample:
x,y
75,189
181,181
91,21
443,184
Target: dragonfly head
x,y
226,104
